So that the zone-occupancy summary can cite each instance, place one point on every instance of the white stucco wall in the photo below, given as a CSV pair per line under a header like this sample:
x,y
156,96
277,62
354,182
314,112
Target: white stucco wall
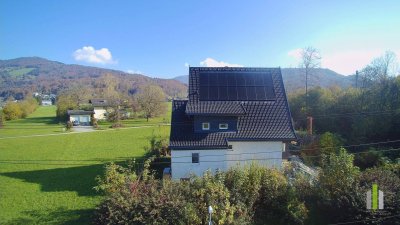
x,y
99,113
182,166
265,153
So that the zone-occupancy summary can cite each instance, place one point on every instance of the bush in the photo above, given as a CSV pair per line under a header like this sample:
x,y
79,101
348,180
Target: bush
x,y
18,110
93,122
369,159
337,191
12,111
158,146
234,196
69,125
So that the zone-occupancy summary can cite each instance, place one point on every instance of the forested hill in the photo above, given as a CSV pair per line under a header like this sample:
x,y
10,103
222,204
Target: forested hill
x,y
22,76
294,79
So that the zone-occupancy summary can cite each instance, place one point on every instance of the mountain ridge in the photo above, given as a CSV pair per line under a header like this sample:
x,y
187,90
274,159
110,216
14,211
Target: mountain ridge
x,y
24,75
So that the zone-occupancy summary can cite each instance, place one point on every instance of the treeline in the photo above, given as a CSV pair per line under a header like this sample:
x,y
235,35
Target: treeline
x,y
20,109
369,112
148,101
251,195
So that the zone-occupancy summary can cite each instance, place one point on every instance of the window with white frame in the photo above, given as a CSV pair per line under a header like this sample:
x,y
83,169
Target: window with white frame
x,y
223,126
206,126
195,157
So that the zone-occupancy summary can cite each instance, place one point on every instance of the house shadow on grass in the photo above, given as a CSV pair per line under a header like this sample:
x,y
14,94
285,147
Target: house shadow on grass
x,y
60,216
79,179
39,120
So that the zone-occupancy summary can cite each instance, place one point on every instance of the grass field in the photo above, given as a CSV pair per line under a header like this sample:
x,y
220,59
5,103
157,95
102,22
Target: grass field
x,y
17,71
50,179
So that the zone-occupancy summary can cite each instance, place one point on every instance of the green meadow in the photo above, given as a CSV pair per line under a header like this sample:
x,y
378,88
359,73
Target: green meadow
x,y
47,175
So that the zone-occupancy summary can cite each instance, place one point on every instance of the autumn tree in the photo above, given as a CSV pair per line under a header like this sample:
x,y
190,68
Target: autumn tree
x,y
380,69
12,111
310,59
107,87
152,101
72,98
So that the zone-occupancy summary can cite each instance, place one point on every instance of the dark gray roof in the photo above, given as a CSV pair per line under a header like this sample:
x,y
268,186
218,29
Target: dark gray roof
x,y
79,112
257,120
97,102
215,108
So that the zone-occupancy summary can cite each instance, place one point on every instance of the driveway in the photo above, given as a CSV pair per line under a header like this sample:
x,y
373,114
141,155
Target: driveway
x,y
82,129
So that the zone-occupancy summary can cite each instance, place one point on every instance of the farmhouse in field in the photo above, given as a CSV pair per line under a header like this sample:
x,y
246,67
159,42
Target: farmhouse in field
x,y
233,116
80,117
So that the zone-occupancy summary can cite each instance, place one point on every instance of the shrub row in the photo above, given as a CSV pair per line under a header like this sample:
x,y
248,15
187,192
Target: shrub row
x,y
250,194
21,109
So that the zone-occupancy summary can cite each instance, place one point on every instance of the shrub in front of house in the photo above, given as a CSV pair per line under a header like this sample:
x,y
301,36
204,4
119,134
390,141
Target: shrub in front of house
x,y
250,196
68,126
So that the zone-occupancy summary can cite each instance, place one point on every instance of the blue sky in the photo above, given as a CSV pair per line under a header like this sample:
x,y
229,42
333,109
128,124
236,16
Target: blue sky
x,y
160,38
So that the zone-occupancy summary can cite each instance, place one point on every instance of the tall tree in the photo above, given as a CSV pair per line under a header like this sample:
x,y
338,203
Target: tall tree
x,y
107,87
310,59
152,101
380,69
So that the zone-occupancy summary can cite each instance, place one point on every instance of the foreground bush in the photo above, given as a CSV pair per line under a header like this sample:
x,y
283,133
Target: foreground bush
x,y
253,195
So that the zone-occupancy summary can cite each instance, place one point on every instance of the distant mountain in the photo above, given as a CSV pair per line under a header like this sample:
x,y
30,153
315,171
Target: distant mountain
x,y
22,76
294,79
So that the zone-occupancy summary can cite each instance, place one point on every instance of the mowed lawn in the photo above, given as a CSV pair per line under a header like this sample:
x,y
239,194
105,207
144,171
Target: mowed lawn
x,y
50,179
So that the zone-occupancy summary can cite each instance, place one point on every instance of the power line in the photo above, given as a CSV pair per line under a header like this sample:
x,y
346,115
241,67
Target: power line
x,y
223,160
309,149
354,145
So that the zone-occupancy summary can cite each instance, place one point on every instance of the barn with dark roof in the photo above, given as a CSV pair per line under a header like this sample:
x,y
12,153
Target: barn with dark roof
x,y
232,116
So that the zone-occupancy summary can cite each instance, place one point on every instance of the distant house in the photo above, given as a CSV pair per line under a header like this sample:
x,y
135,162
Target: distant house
x,y
233,116
80,117
47,102
100,108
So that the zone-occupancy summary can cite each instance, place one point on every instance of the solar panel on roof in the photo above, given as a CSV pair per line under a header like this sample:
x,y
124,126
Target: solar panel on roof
x,y
236,86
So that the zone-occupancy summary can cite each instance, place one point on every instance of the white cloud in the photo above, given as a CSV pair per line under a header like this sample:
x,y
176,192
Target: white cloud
x,y
210,62
91,55
295,53
187,64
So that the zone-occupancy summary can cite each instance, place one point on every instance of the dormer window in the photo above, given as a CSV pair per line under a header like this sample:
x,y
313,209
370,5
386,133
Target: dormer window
x,y
206,126
223,126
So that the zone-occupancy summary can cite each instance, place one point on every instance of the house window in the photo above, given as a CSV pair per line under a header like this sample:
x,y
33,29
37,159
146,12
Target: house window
x,y
195,157
223,126
206,126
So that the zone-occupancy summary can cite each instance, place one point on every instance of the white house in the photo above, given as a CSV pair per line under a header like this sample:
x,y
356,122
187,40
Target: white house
x,y
101,108
80,117
46,102
233,116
